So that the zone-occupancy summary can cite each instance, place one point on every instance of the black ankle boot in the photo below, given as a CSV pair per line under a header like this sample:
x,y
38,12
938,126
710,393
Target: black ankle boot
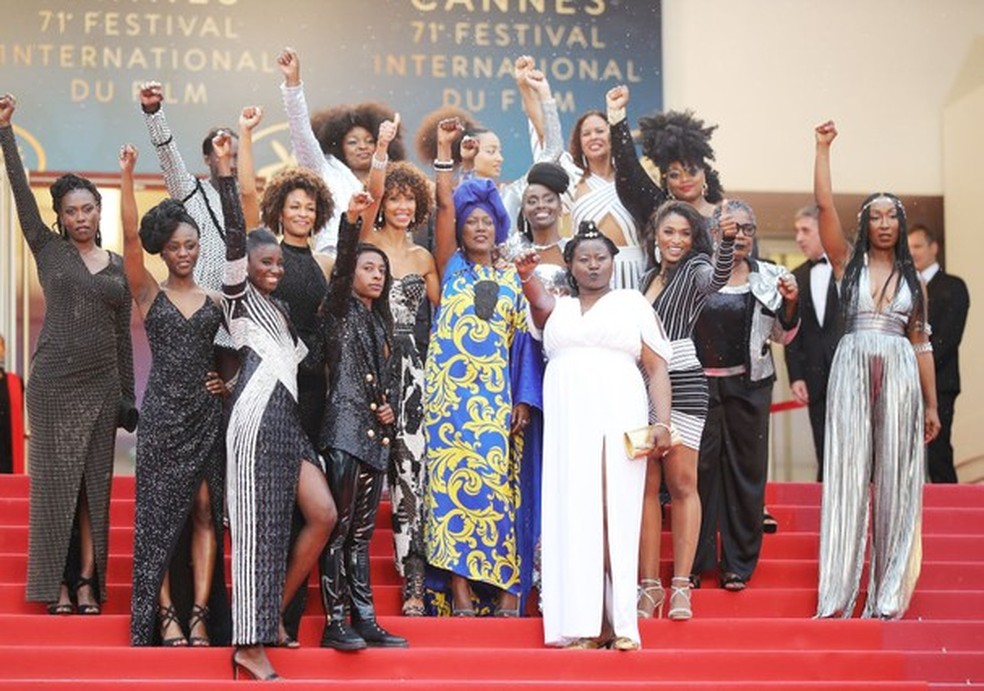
x,y
375,636
340,636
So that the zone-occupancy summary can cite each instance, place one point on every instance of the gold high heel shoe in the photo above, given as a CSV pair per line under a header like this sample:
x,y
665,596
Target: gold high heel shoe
x,y
624,644
680,599
651,597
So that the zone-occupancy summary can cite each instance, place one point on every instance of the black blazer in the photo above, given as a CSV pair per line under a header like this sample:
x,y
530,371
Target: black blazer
x,y
808,356
948,306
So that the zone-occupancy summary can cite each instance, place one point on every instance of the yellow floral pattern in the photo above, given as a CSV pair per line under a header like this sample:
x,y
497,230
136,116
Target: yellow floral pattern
x,y
473,489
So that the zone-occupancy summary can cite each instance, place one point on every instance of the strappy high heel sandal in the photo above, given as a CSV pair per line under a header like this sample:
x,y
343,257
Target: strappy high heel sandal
x,y
238,666
89,582
60,608
649,602
680,599
199,615
167,616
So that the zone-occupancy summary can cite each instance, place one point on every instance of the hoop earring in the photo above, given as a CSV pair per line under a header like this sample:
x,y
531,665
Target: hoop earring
x,y
656,254
584,162
703,190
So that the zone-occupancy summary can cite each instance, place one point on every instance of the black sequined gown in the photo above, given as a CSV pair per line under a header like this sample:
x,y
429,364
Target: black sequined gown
x,y
303,288
81,370
179,444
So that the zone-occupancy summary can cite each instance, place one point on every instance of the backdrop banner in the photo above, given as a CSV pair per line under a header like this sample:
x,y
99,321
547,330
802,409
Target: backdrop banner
x,y
76,65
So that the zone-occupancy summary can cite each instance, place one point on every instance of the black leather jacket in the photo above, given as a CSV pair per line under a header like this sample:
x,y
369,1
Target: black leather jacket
x,y
356,342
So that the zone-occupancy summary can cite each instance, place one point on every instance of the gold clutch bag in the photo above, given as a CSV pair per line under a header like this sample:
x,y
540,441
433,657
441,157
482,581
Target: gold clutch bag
x,y
637,441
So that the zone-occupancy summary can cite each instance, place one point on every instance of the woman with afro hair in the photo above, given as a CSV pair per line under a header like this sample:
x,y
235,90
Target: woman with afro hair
x,y
679,144
180,451
338,143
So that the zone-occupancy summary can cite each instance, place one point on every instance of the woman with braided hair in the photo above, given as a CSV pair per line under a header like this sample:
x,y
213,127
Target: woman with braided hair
x,y
881,407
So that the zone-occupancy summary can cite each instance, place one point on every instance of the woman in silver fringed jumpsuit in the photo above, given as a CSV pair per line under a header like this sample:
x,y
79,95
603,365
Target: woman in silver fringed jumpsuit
x,y
881,407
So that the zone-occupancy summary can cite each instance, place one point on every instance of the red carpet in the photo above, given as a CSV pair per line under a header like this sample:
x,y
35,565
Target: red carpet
x,y
762,638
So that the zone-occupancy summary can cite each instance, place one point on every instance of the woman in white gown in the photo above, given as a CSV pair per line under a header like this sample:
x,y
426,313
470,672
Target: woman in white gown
x,y
599,343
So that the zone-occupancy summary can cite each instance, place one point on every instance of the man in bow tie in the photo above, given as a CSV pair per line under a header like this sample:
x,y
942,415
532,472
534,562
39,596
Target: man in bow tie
x,y
809,355
948,306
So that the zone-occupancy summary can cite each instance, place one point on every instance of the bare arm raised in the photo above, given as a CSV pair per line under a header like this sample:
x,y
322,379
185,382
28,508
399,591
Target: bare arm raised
x,y
831,233
448,130
250,117
142,283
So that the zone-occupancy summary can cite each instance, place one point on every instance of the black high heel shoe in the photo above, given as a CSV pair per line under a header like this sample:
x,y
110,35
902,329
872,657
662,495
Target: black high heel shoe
x,y
199,615
237,665
83,582
61,608
167,616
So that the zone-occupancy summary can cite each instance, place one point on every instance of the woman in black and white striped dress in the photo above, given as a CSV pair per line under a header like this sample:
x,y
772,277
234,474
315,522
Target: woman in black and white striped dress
x,y
270,460
677,285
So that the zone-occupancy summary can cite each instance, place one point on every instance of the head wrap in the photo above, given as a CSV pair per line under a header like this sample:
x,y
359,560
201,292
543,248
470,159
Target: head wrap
x,y
550,175
480,193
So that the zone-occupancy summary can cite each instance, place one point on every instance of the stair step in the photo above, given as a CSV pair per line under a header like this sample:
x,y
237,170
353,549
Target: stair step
x,y
771,573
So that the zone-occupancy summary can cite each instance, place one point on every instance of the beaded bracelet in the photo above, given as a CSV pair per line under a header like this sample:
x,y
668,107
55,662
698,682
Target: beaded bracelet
x,y
378,164
921,348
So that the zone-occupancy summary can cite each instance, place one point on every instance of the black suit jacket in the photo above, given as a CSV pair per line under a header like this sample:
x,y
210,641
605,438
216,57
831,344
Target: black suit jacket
x,y
808,356
948,306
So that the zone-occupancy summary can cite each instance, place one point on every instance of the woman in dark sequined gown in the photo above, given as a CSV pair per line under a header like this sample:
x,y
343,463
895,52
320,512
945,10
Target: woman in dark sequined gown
x,y
81,384
270,462
180,450
404,205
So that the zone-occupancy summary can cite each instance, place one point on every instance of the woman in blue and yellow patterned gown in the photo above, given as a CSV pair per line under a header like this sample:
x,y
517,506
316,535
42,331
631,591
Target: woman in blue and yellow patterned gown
x,y
472,409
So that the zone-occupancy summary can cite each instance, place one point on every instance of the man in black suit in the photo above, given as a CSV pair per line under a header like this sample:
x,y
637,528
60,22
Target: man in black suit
x,y
948,305
808,356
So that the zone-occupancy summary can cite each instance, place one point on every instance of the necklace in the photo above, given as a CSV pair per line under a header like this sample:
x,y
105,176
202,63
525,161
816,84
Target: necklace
x,y
549,245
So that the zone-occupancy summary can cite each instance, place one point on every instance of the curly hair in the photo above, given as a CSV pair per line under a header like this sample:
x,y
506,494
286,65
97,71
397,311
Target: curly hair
x,y
158,225
285,182
403,176
680,136
71,183
425,140
332,124
577,151
701,242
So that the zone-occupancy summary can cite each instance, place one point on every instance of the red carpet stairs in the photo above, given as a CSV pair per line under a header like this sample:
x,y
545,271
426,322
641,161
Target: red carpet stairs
x,y
762,638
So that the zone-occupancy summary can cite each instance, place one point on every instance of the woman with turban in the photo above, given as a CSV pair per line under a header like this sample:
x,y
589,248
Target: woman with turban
x,y
473,406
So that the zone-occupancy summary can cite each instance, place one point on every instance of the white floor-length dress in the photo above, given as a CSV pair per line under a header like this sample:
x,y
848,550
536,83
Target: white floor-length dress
x,y
593,393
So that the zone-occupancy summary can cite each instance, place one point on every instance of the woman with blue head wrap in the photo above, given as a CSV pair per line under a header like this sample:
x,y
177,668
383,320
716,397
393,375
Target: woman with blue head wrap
x,y
478,398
